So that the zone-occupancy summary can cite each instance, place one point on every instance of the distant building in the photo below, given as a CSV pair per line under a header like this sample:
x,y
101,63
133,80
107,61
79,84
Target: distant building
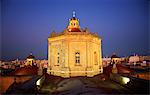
x,y
30,60
74,52
42,66
134,59
115,59
106,61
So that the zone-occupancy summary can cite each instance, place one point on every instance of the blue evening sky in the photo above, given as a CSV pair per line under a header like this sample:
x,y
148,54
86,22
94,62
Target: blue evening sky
x,y
26,25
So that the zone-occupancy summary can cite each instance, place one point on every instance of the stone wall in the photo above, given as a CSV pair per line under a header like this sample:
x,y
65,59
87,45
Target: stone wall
x,y
66,45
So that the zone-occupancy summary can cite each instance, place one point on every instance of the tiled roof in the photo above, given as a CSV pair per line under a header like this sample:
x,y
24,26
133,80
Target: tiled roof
x,y
28,70
121,69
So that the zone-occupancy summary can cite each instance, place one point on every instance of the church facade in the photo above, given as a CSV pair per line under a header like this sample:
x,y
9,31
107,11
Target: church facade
x,y
74,52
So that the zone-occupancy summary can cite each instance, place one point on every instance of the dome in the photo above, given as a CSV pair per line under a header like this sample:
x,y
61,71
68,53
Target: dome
x,y
114,56
30,57
73,18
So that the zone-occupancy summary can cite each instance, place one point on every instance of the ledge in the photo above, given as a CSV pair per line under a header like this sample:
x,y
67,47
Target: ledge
x,y
56,65
78,65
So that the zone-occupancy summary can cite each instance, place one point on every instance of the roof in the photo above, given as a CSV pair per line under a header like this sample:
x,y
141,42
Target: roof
x,y
30,56
27,70
121,69
114,56
73,18
75,30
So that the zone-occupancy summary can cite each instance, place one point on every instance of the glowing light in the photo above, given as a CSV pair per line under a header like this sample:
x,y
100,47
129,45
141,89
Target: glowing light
x,y
38,82
125,80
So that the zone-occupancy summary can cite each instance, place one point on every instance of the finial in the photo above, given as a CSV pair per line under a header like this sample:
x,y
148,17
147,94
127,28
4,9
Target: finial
x,y
30,53
74,13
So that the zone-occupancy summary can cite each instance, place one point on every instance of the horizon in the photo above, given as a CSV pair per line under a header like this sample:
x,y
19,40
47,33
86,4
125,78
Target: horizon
x,y
26,25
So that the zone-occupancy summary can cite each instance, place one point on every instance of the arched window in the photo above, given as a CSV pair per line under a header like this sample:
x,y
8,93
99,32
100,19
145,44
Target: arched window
x,y
77,57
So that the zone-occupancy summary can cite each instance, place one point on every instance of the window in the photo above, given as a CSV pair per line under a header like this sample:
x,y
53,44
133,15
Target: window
x,y
77,57
58,58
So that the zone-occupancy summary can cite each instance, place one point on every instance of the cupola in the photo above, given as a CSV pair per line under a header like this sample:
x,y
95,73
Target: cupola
x,y
73,24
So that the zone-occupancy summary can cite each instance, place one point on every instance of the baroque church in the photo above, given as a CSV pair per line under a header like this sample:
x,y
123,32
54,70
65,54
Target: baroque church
x,y
74,52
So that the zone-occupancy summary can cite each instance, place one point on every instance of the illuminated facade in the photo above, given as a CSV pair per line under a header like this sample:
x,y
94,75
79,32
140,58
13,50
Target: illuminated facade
x,y
74,52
